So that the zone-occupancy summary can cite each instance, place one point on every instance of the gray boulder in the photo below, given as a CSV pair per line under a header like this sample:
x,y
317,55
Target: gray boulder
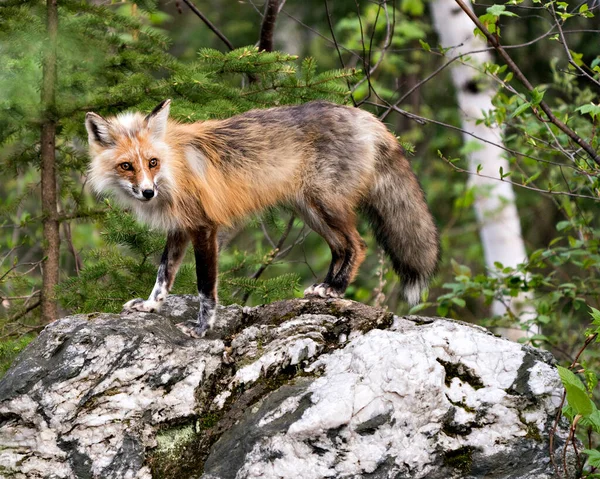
x,y
294,389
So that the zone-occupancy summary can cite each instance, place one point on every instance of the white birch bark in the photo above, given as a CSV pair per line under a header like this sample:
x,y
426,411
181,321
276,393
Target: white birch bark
x,y
499,225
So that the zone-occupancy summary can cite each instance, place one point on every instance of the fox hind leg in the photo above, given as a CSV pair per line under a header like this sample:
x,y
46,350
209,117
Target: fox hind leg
x,y
338,228
173,254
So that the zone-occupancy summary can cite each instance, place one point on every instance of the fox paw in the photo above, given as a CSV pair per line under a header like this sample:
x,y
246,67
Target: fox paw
x,y
193,329
141,305
322,290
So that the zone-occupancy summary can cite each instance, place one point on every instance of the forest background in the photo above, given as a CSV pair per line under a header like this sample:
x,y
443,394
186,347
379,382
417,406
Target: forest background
x,y
533,86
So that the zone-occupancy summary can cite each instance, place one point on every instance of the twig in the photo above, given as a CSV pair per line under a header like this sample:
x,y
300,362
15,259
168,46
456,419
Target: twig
x,y
316,32
588,341
69,238
12,268
364,58
14,298
337,47
389,33
272,255
527,187
563,40
209,24
263,227
523,79
27,310
422,121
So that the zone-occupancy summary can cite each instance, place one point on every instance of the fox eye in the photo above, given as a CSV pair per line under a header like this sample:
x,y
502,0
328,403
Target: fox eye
x,y
153,162
126,166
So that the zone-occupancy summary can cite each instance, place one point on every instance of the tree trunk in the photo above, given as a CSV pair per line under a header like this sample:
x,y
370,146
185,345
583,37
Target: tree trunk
x,y
499,224
51,242
267,27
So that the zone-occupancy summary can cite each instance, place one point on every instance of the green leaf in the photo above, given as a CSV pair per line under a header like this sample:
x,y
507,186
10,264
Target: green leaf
x,y
412,7
577,58
576,393
520,110
595,317
425,45
593,457
590,109
419,307
498,10
459,302
537,96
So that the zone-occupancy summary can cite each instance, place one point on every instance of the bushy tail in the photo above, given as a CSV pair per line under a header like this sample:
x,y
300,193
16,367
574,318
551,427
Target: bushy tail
x,y
402,223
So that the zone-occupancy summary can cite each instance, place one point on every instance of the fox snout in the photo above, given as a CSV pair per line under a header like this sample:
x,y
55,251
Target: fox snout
x,y
144,192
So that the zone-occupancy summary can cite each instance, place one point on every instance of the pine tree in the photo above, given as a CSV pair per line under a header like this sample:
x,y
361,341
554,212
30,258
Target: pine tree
x,y
59,61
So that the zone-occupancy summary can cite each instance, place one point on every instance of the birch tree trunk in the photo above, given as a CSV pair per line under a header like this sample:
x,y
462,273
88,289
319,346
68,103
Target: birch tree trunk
x,y
499,225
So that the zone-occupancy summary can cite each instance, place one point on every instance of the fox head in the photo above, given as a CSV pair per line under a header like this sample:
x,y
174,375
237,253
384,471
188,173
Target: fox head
x,y
130,156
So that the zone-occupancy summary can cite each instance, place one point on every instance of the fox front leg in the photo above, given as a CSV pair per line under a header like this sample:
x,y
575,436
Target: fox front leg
x,y
173,254
206,253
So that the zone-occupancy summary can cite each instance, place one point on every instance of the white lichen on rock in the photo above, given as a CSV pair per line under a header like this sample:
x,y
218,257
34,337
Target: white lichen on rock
x,y
295,389
399,377
124,383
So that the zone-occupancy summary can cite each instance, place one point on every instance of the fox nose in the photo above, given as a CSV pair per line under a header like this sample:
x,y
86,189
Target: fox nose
x,y
148,193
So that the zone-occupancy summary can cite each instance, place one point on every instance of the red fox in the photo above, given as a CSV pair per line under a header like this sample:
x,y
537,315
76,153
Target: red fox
x,y
324,160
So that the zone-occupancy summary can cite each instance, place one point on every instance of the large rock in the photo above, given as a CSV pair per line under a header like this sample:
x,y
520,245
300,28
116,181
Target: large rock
x,y
295,389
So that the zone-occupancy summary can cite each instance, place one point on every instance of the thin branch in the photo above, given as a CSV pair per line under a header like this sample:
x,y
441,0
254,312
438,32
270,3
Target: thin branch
x,y
337,47
589,340
563,40
72,250
272,255
33,266
422,121
209,24
27,310
14,298
458,57
309,28
389,33
364,58
523,79
527,187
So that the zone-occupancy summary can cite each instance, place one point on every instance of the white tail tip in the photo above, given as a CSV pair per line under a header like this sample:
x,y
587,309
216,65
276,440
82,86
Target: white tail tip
x,y
412,293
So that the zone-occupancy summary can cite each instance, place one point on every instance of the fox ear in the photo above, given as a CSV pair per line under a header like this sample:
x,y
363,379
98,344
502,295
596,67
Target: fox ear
x,y
98,130
157,119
